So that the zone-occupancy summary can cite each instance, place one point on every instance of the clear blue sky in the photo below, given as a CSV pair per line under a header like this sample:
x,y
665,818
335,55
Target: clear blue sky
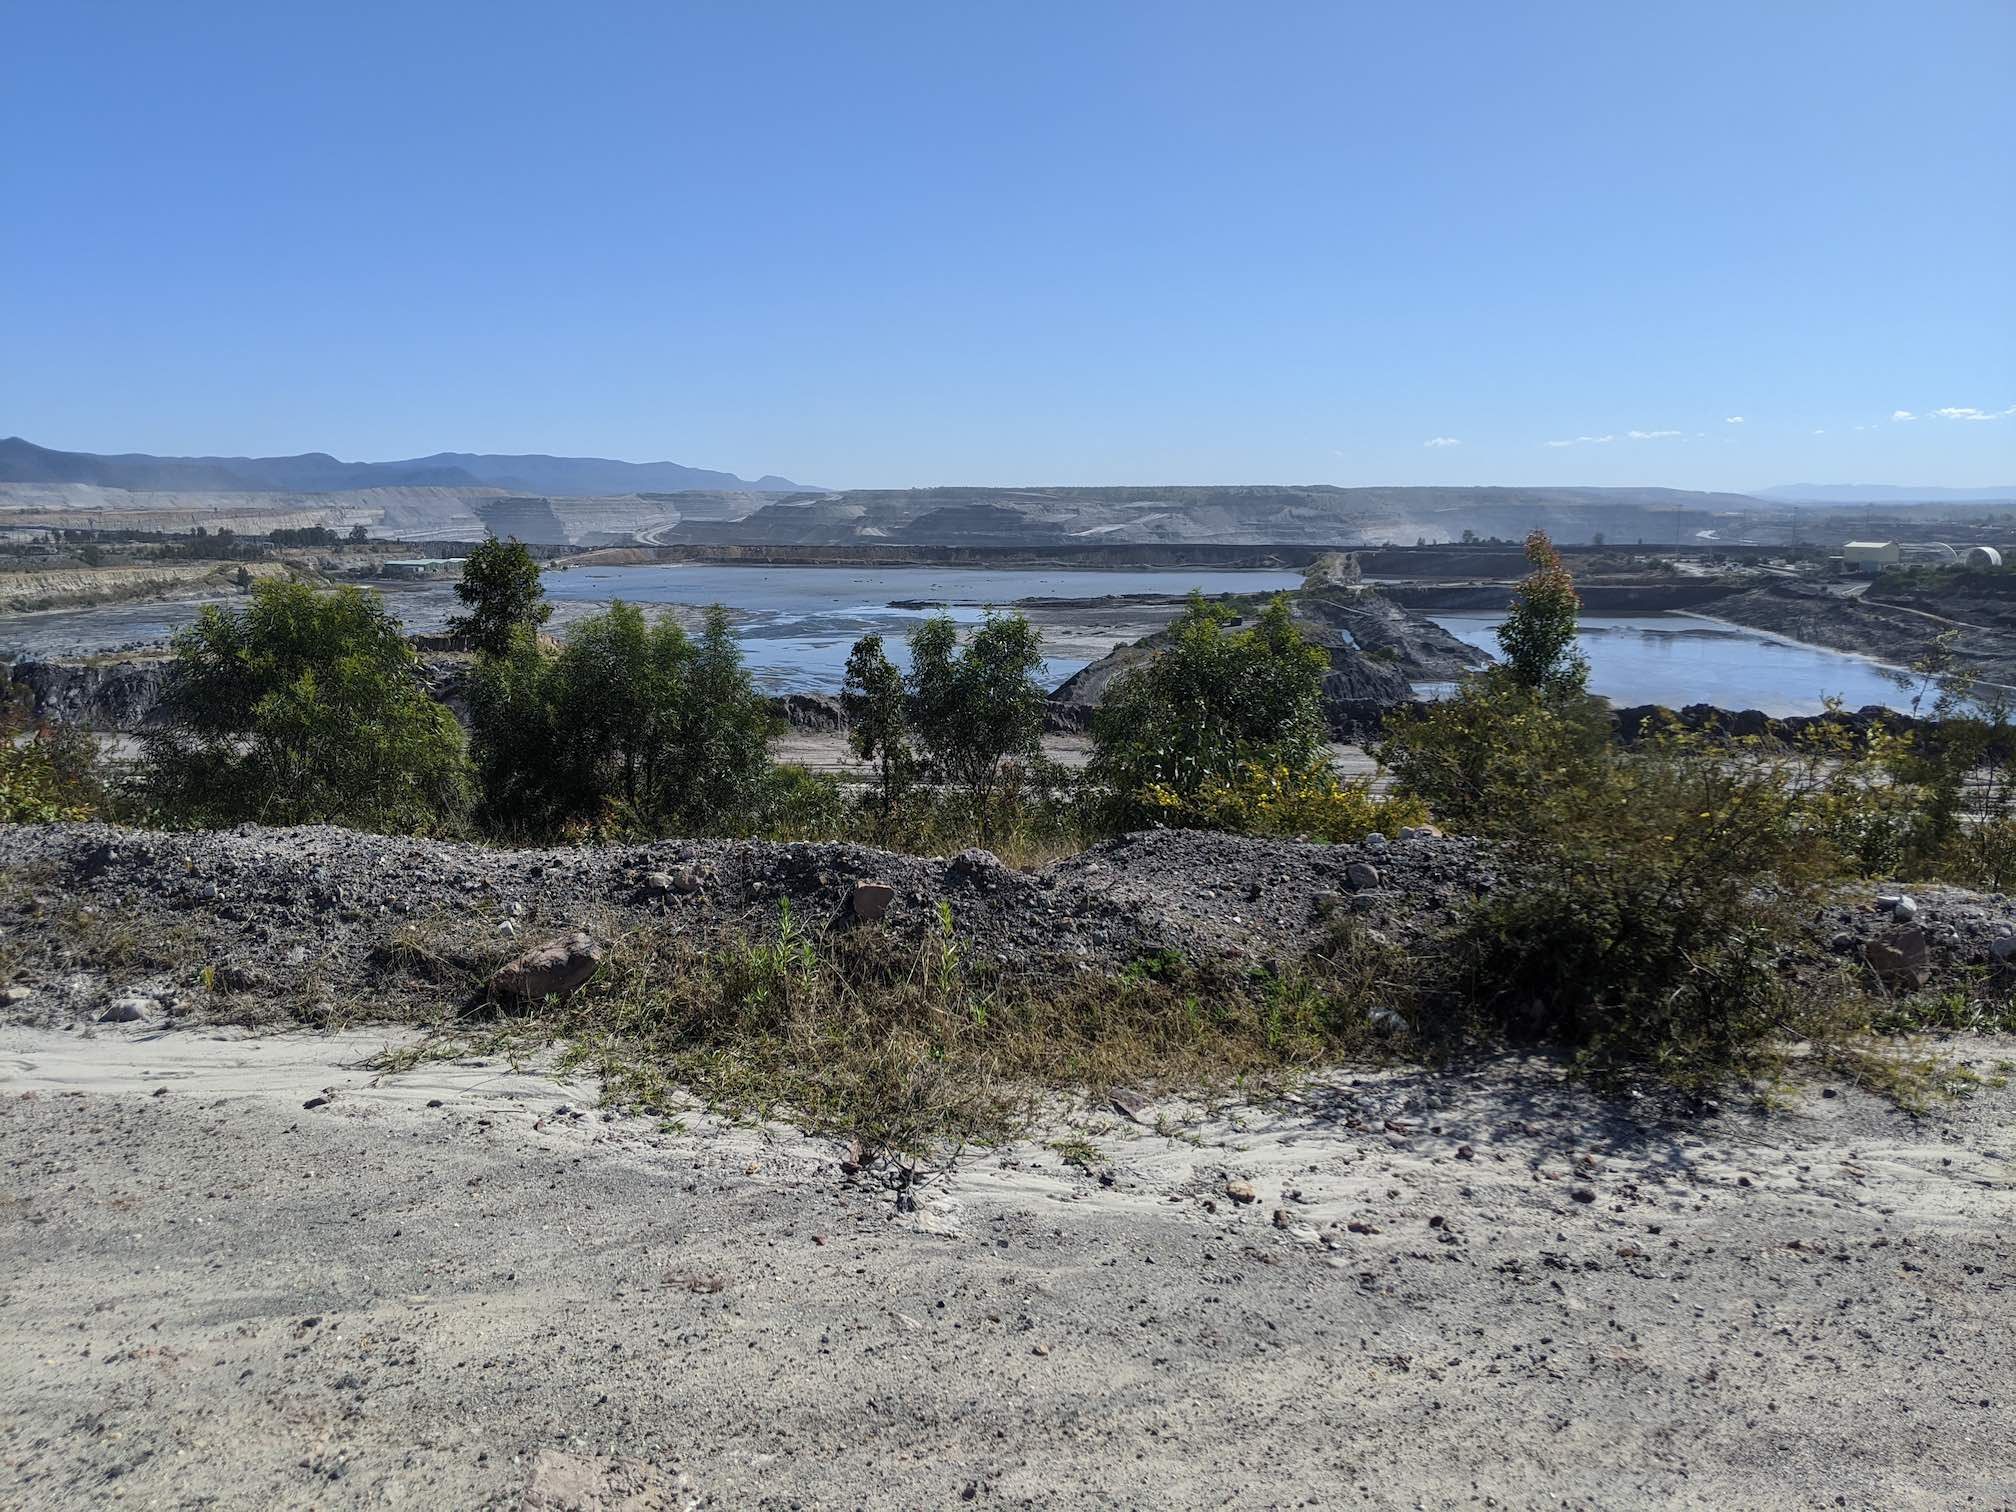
x,y
876,244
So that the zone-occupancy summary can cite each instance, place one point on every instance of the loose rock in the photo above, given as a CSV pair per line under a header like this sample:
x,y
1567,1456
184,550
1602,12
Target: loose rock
x,y
551,970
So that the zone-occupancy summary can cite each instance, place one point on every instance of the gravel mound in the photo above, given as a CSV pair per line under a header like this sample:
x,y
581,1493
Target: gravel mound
x,y
318,921
91,909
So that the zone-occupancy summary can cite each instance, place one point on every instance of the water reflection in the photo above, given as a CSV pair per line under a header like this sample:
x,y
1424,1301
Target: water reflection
x,y
1676,659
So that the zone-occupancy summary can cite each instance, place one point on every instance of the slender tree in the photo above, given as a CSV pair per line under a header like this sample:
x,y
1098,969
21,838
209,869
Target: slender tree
x,y
500,584
878,726
1538,635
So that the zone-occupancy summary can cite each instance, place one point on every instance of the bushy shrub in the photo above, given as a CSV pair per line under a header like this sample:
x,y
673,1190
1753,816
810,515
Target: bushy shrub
x,y
977,709
877,706
1283,800
1538,633
793,802
1483,757
48,772
302,707
631,728
1210,703
1641,915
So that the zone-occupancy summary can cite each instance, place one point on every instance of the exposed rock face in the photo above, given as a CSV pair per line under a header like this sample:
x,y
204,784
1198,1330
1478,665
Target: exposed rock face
x,y
1369,622
1641,720
819,713
1900,958
870,900
1819,616
1318,516
112,696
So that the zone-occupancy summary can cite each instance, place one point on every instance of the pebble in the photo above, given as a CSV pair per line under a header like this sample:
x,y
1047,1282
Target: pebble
x,y
126,1010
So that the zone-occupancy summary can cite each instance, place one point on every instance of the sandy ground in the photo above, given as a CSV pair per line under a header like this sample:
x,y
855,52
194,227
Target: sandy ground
x,y
463,1286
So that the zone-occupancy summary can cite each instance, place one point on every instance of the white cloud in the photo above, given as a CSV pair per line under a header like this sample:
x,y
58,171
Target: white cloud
x,y
1732,419
1441,441
1968,412
1651,435
1819,433
1584,441
1902,415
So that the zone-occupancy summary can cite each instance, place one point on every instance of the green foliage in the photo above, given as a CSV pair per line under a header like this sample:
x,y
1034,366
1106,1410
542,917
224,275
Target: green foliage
x,y
304,535
48,772
793,802
912,1044
1480,757
978,710
1642,912
878,722
1210,703
500,584
631,728
1310,801
302,707
1538,635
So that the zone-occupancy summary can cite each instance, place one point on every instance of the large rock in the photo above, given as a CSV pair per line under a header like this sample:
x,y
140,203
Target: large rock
x,y
820,713
1900,958
870,900
547,971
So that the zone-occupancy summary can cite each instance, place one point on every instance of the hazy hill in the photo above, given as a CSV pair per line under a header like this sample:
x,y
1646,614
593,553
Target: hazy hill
x,y
588,476
1274,514
317,472
1885,493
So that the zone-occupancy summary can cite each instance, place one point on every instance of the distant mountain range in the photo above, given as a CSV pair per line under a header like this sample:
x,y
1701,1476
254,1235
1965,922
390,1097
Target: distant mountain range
x,y
1883,493
318,472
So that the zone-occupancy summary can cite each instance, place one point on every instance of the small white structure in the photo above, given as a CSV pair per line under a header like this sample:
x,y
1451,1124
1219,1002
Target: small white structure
x,y
423,567
1871,556
1983,556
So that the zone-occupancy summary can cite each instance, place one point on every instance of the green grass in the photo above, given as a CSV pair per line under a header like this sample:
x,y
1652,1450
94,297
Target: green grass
x,y
911,1047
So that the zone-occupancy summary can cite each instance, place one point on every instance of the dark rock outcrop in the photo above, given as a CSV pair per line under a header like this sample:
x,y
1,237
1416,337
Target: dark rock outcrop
x,y
123,695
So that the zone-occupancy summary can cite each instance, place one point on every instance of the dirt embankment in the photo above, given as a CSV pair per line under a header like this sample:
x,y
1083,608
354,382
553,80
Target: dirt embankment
x,y
297,914
79,587
1597,598
1892,633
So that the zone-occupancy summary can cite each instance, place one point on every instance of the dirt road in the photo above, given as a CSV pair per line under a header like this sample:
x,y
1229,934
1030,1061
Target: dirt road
x,y
463,1287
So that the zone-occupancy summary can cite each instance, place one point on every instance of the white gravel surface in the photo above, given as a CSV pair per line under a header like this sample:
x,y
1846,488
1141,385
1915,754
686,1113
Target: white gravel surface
x,y
463,1287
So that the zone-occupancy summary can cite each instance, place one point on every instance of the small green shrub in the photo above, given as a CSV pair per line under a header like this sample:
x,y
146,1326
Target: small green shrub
x,y
977,709
48,772
1644,917
1280,800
